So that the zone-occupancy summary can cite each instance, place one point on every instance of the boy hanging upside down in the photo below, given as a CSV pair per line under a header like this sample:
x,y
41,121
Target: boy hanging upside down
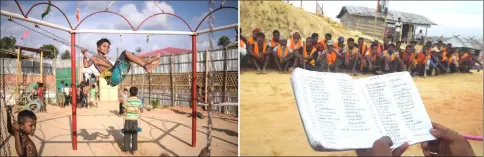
x,y
392,60
114,74
259,53
283,55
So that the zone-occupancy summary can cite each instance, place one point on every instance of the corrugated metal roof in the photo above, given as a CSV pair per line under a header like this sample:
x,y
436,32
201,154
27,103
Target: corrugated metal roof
x,y
392,15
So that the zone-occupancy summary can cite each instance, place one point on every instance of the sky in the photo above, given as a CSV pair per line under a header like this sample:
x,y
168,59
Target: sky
x,y
134,11
463,18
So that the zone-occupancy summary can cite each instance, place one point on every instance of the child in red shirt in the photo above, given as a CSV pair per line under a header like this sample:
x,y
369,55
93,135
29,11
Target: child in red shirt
x,y
40,94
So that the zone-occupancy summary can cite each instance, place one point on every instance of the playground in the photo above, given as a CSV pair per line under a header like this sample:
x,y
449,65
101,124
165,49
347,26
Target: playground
x,y
164,130
173,93
453,100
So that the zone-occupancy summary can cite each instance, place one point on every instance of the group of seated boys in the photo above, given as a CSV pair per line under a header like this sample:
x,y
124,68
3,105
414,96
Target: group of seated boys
x,y
337,56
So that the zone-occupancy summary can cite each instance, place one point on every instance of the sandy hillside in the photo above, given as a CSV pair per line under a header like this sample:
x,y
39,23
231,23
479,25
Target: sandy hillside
x,y
271,125
272,15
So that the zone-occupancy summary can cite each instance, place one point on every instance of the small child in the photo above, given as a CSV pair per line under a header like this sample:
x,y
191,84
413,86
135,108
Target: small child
x,y
132,108
40,94
27,122
92,95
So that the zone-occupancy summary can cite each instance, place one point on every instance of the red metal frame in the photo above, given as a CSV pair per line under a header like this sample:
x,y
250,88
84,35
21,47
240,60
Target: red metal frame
x,y
194,90
73,62
74,92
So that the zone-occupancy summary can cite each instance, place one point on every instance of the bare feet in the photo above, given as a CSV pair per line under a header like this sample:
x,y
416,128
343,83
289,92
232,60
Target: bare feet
x,y
153,63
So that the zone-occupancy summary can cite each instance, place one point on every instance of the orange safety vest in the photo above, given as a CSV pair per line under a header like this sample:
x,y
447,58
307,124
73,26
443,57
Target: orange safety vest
x,y
256,48
444,55
331,57
251,41
242,44
273,43
279,51
422,59
323,42
305,54
392,56
336,46
348,54
370,54
363,48
293,45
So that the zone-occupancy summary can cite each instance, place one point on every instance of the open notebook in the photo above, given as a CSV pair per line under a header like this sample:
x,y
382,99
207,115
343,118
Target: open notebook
x,y
342,113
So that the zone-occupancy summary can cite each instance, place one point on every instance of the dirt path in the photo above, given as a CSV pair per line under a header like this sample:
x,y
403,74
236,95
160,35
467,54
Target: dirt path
x,y
271,125
164,130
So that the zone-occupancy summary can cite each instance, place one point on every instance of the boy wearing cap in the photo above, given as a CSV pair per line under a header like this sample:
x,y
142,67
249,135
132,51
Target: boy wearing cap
x,y
283,55
339,49
392,60
259,53
253,38
329,59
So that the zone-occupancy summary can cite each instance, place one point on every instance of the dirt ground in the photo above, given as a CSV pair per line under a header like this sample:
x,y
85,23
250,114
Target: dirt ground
x,y
164,130
271,125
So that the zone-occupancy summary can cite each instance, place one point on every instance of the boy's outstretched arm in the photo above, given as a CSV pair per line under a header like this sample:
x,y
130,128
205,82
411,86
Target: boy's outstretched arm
x,y
18,144
86,62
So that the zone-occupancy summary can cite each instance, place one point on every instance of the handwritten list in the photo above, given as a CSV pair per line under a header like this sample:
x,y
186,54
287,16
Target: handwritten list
x,y
341,113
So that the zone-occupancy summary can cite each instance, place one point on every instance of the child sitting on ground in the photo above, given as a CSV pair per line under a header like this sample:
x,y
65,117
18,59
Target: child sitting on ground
x,y
114,74
132,108
22,129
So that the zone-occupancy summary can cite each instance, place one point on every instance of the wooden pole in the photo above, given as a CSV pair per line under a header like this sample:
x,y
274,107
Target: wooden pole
x,y
172,81
19,72
149,88
425,38
41,66
206,77
224,92
374,34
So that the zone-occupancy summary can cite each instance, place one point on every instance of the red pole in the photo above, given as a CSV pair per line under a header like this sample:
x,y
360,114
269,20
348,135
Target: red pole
x,y
194,90
74,92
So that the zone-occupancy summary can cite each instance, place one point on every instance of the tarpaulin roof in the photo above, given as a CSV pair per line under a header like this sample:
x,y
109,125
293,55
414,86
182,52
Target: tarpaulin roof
x,y
468,42
391,17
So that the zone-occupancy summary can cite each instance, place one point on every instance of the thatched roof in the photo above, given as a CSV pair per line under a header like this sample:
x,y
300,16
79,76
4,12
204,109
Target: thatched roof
x,y
391,17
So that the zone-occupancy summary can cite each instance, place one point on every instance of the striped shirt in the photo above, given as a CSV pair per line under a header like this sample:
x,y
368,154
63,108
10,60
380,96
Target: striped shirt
x,y
132,105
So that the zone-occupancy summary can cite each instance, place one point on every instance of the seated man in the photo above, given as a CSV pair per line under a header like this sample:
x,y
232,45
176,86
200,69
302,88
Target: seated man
x,y
467,62
362,48
423,61
243,51
351,55
329,58
309,54
392,60
275,39
374,59
283,55
114,74
408,57
296,45
339,50
259,53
